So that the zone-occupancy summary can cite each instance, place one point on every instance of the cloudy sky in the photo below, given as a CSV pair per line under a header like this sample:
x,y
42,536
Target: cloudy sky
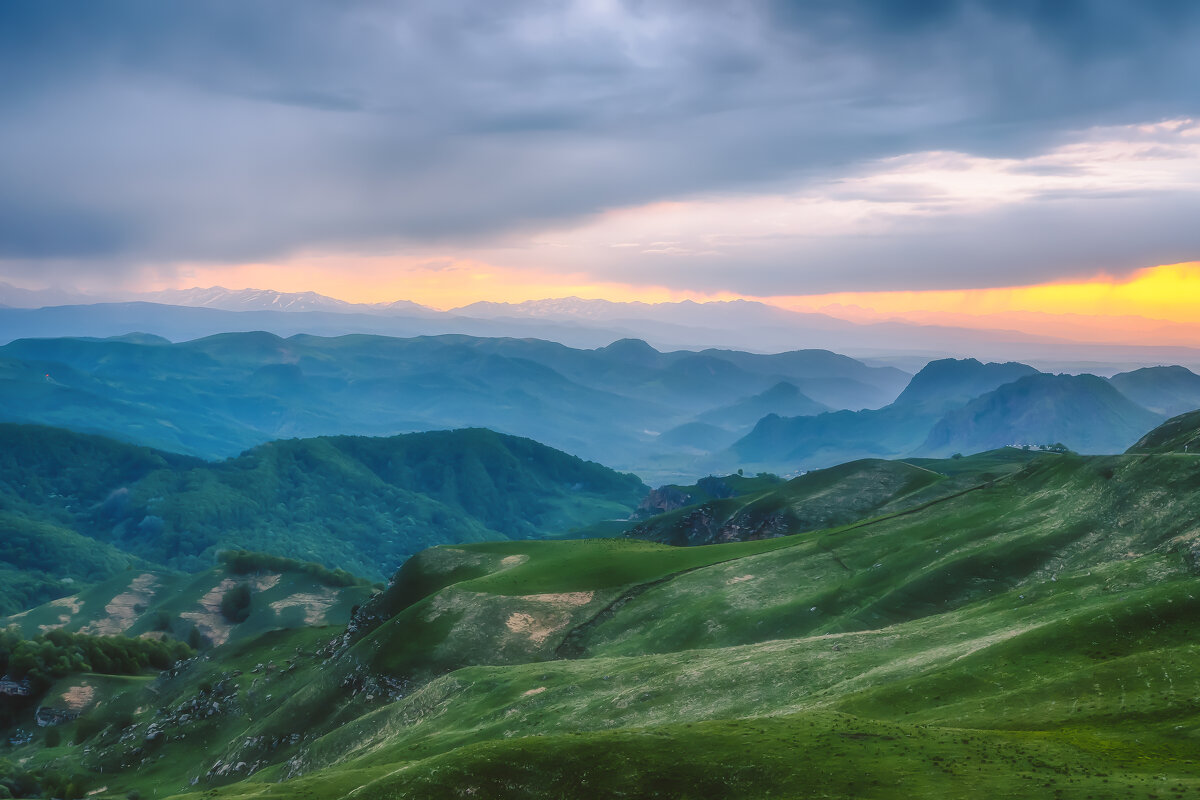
x,y
454,151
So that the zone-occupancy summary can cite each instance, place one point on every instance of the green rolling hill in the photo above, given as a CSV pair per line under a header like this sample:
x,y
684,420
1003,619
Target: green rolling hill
x,y
81,507
826,498
1021,627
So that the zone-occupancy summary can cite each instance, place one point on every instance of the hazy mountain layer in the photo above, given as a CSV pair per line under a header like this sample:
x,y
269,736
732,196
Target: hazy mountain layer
x,y
215,397
790,443
1081,411
1163,390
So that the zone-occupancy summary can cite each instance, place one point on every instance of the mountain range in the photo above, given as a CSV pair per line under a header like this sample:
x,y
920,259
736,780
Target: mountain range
x,y
666,416
965,406
214,397
181,314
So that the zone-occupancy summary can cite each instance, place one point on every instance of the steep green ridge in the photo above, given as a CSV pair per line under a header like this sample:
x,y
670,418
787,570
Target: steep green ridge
x,y
362,504
1179,434
822,499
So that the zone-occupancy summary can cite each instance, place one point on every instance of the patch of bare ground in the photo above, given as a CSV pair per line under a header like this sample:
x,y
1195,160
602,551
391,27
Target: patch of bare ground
x,y
209,620
316,605
549,614
124,609
78,697
72,606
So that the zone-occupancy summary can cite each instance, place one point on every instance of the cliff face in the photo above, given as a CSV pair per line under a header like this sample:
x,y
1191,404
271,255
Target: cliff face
x,y
662,500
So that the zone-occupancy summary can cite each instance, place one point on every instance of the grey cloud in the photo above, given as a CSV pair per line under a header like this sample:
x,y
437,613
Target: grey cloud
x,y
1011,246
138,133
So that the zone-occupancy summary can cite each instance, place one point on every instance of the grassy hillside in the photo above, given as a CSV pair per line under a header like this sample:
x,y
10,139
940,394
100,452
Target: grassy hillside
x,y
1030,634
1179,434
824,498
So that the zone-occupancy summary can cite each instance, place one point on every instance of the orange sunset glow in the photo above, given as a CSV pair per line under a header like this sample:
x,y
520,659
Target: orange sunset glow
x,y
1155,305
1168,292
443,284
1102,309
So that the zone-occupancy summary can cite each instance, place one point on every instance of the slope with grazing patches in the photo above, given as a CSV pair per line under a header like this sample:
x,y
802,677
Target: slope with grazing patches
x,y
154,602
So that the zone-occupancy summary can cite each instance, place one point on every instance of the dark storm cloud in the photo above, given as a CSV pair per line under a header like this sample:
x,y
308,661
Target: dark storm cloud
x,y
136,133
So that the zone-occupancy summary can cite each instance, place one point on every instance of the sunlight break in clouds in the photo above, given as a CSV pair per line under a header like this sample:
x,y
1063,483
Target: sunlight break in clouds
x,y
925,220
691,249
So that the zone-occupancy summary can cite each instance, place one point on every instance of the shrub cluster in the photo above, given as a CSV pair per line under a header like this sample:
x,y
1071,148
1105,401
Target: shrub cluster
x,y
247,562
56,654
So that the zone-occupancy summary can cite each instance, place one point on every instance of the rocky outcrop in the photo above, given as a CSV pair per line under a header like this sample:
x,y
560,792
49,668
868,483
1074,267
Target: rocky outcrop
x,y
662,500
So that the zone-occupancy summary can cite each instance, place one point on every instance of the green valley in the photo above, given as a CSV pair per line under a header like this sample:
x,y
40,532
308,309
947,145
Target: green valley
x,y
1010,624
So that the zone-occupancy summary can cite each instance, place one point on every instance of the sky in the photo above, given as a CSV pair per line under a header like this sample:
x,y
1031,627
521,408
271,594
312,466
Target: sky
x,y
872,157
